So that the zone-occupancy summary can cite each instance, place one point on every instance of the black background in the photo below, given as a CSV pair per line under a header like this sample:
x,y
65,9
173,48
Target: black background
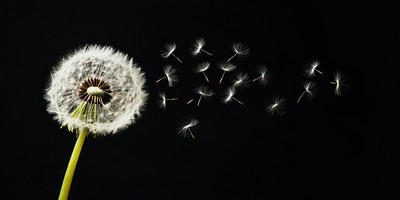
x,y
333,147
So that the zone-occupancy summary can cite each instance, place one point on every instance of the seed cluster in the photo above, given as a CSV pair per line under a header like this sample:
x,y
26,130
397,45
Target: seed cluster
x,y
95,91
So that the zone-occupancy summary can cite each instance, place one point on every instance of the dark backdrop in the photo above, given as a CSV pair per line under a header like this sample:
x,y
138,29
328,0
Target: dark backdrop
x,y
332,147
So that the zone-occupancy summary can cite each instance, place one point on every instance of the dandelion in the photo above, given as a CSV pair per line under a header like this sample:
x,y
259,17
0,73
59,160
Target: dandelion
x,y
310,70
168,50
163,100
94,90
277,107
186,130
264,76
203,91
226,67
308,89
198,47
340,83
170,75
201,68
239,49
230,96
241,80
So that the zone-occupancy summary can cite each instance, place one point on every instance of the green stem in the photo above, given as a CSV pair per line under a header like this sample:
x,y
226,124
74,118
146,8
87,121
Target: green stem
x,y
72,165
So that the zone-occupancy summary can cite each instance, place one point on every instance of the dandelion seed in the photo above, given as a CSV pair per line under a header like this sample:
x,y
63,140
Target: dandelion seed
x,y
264,76
230,96
95,90
239,49
204,92
198,47
168,50
310,70
187,129
277,107
308,89
241,80
170,75
163,100
190,101
226,67
201,68
340,83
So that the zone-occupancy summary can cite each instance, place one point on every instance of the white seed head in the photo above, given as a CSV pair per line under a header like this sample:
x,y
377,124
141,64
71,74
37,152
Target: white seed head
x,y
340,83
338,77
101,80
264,76
226,66
277,107
241,80
187,128
202,67
309,87
229,93
171,75
204,90
168,49
198,45
240,49
311,69
162,102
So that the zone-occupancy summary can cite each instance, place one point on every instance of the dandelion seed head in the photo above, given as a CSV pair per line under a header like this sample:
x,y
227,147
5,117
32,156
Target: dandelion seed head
x,y
264,76
168,49
198,45
229,94
227,66
190,125
241,80
186,129
103,84
277,107
162,102
204,90
309,86
240,49
202,67
340,83
338,77
314,64
171,75
310,70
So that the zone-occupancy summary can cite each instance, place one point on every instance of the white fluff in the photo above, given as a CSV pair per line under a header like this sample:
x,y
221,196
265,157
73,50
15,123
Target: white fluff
x,y
125,78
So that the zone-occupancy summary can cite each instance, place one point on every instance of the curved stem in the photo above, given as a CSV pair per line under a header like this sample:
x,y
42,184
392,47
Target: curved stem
x,y
177,58
318,71
222,77
206,52
191,133
161,79
257,78
198,102
238,101
66,185
205,76
229,59
298,100
190,101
